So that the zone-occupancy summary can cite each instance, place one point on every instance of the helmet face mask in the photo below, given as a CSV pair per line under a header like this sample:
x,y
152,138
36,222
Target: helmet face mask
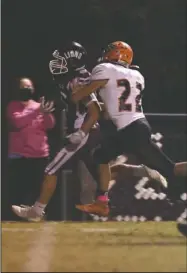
x,y
68,59
58,66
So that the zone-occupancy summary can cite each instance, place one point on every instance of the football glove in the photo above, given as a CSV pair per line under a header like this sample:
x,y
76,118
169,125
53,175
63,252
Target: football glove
x,y
77,137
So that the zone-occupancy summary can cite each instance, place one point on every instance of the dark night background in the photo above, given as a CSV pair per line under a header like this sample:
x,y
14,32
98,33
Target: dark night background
x,y
156,30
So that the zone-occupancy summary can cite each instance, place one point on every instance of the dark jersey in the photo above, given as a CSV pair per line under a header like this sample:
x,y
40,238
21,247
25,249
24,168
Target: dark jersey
x,y
75,112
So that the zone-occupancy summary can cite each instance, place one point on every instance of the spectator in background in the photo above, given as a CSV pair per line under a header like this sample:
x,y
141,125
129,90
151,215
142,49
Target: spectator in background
x,y
28,147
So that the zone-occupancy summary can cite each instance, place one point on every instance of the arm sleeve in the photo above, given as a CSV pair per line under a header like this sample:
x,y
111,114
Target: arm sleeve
x,y
19,118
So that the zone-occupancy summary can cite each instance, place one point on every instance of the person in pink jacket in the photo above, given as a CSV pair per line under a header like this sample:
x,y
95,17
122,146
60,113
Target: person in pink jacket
x,y
28,147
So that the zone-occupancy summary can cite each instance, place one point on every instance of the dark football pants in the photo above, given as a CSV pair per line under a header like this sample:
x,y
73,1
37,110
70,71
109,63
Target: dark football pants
x,y
135,139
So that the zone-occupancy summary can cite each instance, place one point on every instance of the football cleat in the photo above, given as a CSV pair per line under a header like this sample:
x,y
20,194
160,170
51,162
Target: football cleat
x,y
98,207
28,213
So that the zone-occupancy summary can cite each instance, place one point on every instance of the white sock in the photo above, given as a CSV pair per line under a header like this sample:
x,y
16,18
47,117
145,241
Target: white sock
x,y
39,207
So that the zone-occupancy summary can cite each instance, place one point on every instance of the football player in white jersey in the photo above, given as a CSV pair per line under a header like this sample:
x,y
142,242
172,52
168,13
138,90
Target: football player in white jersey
x,y
120,89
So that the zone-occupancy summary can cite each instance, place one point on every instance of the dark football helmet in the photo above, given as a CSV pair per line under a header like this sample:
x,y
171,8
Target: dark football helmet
x,y
69,58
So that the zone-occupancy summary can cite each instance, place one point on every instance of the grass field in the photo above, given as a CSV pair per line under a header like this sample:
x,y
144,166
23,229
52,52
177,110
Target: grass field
x,y
92,247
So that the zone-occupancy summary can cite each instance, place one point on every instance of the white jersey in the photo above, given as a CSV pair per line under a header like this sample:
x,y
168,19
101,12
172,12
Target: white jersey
x,y
122,94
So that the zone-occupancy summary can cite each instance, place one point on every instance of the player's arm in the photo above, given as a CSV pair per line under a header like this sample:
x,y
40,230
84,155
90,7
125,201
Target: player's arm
x,y
92,116
93,113
99,79
85,91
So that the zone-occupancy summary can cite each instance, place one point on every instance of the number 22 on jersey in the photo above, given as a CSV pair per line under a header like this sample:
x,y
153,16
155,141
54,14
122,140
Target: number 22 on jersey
x,y
123,105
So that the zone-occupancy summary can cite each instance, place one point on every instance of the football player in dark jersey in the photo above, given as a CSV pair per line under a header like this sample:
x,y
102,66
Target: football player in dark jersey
x,y
68,68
